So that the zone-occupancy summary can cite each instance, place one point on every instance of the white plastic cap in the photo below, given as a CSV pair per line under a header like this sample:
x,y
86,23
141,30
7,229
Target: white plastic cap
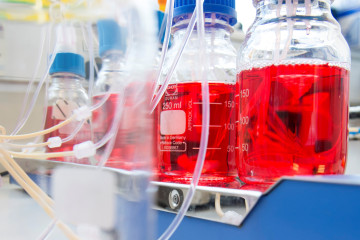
x,y
82,113
54,142
85,149
231,217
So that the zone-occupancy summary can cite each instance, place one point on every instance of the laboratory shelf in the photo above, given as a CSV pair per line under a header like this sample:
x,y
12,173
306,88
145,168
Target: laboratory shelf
x,y
300,208
320,207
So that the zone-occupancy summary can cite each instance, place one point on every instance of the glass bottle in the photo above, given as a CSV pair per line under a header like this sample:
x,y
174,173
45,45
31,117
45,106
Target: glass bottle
x,y
66,94
292,88
133,138
179,116
110,79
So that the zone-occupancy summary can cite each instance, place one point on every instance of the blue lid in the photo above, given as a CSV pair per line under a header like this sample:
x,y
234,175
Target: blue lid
x,y
68,62
111,36
226,7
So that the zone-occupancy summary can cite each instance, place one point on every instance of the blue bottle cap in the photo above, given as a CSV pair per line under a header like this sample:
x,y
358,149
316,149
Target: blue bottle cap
x,y
68,62
226,7
111,36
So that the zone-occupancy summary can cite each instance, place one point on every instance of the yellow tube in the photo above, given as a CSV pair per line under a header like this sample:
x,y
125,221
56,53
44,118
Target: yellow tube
x,y
42,155
35,134
36,193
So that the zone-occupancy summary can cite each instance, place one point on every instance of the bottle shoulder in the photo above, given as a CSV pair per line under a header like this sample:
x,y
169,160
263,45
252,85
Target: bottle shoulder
x,y
300,38
77,96
109,79
220,55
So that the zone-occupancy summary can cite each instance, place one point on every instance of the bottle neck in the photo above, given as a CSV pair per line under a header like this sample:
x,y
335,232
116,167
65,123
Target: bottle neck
x,y
312,9
66,80
216,29
212,20
113,61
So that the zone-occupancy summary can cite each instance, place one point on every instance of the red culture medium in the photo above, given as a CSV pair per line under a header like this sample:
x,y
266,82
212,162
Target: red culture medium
x,y
292,120
179,119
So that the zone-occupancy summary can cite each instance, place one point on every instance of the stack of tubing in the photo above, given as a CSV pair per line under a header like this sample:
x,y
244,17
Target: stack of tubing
x,y
46,202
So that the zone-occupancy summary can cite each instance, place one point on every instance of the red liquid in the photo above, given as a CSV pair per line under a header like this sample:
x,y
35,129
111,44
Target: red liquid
x,y
133,144
292,121
179,118
83,135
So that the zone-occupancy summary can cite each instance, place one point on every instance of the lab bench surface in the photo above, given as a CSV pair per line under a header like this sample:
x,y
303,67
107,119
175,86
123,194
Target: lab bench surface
x,y
22,218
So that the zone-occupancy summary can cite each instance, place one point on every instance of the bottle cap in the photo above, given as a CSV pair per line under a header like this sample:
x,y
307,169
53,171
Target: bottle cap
x,y
68,62
226,7
111,36
255,2
162,5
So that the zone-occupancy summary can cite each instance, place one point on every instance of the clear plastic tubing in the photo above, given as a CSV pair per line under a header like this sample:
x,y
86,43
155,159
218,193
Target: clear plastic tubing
x,y
91,60
164,86
45,106
79,126
169,16
22,122
27,94
73,134
87,44
48,230
113,129
204,132
111,134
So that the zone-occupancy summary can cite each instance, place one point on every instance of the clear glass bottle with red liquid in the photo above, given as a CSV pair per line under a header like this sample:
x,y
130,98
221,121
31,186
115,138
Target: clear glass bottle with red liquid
x,y
292,92
66,94
110,79
133,144
179,113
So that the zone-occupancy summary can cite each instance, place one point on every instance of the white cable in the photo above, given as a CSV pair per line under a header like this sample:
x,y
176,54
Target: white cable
x,y
218,209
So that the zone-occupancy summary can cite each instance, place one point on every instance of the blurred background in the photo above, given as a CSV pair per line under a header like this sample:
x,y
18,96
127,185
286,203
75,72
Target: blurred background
x,y
21,41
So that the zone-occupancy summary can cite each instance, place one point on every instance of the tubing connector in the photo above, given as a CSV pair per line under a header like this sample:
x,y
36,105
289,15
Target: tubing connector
x,y
85,149
54,142
82,113
231,217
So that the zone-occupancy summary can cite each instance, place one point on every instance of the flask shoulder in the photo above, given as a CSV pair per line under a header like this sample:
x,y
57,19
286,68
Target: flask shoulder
x,y
320,41
220,57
